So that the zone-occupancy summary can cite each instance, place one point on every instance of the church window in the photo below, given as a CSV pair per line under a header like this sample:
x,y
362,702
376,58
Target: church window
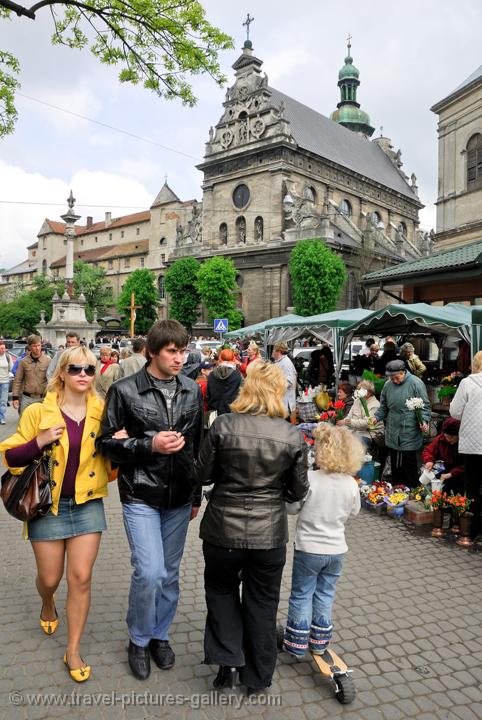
x,y
122,233
223,234
44,244
309,193
403,229
345,208
162,241
127,262
110,236
259,229
377,218
142,262
161,287
110,264
241,196
138,230
474,162
44,267
241,230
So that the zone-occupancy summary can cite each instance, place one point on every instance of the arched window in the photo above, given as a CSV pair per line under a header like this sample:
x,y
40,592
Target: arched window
x,y
403,229
241,230
309,193
377,218
162,241
223,234
259,229
161,287
345,208
44,267
474,162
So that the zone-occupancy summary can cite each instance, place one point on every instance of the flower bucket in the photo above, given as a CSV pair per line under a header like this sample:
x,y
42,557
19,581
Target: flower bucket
x,y
437,484
426,477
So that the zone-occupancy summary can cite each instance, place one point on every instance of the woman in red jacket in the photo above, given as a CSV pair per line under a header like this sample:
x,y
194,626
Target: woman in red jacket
x,y
445,447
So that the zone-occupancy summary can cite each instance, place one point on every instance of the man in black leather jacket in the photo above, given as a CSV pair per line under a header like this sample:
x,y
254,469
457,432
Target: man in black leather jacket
x,y
161,413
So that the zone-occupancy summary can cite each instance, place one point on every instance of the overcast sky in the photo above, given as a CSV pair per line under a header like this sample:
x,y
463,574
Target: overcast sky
x,y
410,54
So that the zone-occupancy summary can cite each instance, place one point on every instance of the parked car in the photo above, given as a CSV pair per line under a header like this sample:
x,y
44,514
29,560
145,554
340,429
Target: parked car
x,y
202,344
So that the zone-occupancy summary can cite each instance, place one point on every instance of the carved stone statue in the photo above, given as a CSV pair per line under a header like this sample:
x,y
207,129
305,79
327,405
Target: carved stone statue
x,y
179,233
211,134
241,228
259,229
223,234
243,130
281,110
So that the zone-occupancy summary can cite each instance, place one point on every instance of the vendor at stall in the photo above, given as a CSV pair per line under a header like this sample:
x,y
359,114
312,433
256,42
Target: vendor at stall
x,y
445,447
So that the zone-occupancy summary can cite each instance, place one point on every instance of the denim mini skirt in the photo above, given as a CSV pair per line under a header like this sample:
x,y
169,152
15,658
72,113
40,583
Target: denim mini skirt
x,y
72,520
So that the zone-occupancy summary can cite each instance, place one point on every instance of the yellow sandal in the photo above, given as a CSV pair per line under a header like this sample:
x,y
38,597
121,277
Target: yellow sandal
x,y
49,626
79,674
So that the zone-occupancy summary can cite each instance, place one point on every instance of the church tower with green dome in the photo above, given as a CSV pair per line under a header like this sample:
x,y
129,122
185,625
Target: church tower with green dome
x,y
348,112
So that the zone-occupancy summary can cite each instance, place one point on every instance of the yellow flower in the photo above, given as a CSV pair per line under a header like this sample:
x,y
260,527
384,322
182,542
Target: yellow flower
x,y
418,497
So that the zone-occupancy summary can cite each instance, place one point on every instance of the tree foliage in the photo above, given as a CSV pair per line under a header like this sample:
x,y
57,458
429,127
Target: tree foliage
x,y
158,43
318,276
181,284
216,282
91,281
22,315
142,283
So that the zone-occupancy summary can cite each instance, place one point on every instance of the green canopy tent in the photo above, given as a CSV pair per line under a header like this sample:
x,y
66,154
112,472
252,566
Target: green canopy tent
x,y
258,328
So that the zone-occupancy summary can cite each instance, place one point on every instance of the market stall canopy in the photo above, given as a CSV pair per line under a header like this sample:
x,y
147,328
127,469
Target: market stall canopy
x,y
415,319
259,328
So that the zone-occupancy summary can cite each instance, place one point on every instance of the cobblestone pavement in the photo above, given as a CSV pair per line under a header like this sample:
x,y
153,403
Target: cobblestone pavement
x,y
408,621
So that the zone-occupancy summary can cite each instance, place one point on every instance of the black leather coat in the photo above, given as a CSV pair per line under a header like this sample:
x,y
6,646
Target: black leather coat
x,y
134,403
256,463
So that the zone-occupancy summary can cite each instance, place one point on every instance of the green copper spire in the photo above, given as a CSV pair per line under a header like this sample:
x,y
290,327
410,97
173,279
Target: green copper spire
x,y
349,113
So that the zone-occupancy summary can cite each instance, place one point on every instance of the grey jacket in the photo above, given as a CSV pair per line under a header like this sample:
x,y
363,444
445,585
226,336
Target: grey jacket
x,y
289,372
402,431
256,463
132,364
467,407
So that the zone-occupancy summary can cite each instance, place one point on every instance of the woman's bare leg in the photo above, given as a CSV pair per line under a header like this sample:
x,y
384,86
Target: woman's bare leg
x,y
49,556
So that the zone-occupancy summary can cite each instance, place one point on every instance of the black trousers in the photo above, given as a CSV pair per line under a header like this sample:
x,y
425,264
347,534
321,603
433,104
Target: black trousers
x,y
405,467
473,489
241,627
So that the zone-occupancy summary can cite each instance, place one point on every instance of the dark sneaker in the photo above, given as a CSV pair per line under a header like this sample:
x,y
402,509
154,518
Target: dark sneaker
x,y
139,661
162,654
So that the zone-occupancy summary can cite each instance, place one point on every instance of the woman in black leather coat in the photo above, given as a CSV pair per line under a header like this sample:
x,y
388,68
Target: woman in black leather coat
x,y
256,462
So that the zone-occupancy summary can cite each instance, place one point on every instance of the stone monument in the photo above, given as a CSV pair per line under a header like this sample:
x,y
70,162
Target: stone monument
x,y
68,312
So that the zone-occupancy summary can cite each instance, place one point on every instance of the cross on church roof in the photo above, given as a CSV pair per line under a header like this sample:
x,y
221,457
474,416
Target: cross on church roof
x,y
348,40
246,24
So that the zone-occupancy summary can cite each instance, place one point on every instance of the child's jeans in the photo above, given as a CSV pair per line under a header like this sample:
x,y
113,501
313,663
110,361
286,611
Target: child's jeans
x,y
313,586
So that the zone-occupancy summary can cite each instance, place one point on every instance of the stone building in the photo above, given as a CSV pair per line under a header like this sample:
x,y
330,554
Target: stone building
x,y
275,171
459,202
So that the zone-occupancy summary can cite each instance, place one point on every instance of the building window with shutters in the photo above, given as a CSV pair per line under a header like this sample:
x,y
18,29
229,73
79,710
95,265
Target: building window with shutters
x,y
474,162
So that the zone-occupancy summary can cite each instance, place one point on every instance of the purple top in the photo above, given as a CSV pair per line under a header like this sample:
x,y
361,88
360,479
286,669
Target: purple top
x,y
23,455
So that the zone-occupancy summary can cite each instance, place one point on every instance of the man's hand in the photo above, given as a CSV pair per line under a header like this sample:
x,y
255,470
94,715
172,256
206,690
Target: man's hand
x,y
194,513
446,476
120,435
429,465
49,436
15,404
424,427
168,442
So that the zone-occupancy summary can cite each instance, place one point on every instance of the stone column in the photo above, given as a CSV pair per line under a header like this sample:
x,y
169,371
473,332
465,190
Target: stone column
x,y
70,218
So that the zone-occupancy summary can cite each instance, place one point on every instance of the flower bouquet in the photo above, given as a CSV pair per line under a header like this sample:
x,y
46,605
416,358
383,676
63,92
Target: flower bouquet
x,y
460,504
396,502
441,518
416,405
374,498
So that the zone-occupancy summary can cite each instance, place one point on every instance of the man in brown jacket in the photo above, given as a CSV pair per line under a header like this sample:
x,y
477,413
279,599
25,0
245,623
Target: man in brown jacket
x,y
30,380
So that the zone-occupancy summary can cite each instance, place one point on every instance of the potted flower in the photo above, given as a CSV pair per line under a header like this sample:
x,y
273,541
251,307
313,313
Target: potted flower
x,y
441,519
396,502
460,505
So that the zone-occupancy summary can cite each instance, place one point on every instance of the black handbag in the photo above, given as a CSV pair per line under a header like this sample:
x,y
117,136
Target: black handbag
x,y
28,495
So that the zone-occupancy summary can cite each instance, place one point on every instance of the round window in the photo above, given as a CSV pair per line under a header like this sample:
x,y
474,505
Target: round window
x,y
241,196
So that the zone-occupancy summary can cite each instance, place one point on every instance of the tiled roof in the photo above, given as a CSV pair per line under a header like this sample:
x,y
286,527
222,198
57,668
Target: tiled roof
x,y
140,247
32,246
460,257
321,136
473,78
59,227
24,267
133,219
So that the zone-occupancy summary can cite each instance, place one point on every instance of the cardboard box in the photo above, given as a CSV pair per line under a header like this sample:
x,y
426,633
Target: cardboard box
x,y
416,512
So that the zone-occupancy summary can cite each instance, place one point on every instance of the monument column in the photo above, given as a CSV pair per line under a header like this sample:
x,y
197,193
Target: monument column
x,y
70,218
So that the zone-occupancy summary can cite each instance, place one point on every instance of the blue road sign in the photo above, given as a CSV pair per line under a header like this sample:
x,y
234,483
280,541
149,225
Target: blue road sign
x,y
221,325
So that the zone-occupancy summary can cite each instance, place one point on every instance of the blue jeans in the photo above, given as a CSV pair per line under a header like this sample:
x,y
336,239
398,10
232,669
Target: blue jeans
x,y
313,586
156,539
3,400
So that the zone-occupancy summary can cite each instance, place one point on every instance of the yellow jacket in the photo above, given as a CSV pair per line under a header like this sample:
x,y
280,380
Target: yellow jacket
x,y
93,473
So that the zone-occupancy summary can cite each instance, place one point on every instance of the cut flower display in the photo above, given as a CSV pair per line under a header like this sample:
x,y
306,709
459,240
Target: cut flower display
x,y
416,405
460,504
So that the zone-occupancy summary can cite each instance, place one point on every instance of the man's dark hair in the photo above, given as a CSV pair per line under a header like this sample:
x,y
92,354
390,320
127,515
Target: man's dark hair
x,y
369,342
138,344
165,332
73,334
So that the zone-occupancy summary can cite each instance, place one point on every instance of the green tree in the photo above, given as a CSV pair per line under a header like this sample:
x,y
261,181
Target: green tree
x,y
181,284
158,43
216,282
91,281
143,284
22,315
318,276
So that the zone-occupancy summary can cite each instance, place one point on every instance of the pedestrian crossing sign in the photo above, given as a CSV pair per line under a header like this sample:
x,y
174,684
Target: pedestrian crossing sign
x,y
220,325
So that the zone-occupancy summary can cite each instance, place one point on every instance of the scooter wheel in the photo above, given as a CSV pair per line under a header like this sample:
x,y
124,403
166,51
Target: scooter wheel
x,y
280,633
345,689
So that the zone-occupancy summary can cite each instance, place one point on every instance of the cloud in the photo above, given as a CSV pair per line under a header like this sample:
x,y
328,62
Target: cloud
x,y
287,63
21,222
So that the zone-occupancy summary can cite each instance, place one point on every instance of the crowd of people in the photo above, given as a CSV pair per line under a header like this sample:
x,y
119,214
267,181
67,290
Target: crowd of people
x,y
164,420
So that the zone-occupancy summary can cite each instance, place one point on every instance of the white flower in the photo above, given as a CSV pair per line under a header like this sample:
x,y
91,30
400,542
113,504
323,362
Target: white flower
x,y
361,393
414,403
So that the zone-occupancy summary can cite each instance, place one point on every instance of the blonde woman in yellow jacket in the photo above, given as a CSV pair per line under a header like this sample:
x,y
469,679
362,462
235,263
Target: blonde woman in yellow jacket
x,y
68,420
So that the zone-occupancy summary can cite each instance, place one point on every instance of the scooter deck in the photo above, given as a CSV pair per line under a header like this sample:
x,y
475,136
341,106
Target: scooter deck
x,y
329,663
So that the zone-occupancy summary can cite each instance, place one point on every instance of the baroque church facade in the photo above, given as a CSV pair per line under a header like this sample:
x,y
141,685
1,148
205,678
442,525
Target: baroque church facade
x,y
275,171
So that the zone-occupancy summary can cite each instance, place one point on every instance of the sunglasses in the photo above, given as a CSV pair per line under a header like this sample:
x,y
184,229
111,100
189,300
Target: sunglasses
x,y
77,369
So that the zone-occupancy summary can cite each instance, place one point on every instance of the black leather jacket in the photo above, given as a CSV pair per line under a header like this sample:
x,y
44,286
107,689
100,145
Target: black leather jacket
x,y
133,403
256,464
